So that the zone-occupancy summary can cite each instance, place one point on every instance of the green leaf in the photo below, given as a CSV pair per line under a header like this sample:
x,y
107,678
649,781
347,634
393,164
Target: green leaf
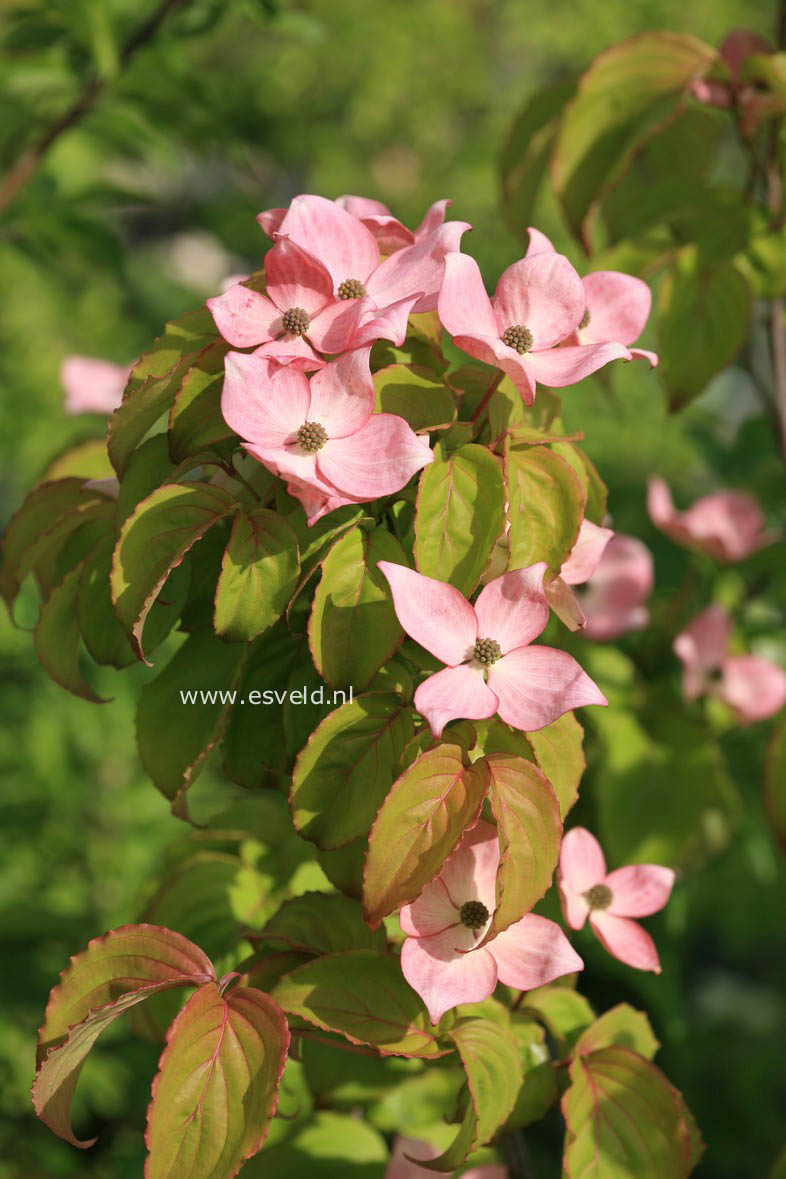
x,y
529,829
217,1086
347,768
559,752
174,734
562,1010
596,493
353,629
258,574
321,923
626,96
154,540
415,395
87,460
703,315
343,866
620,1025
110,976
58,638
419,824
195,419
624,1120
148,467
538,1090
460,513
775,783
328,1145
315,542
546,507
362,995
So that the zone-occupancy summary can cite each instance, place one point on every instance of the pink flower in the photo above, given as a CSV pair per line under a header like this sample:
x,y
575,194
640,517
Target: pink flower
x,y
754,687
388,232
538,304
92,385
491,667
406,1149
579,566
613,599
728,525
442,958
610,899
322,436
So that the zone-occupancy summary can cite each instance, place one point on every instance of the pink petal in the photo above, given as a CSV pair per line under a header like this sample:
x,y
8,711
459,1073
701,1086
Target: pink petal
x,y
512,608
639,889
470,873
334,236
754,687
538,243
626,940
613,601
378,459
702,647
558,367
581,864
618,306
342,394
433,613
292,350
92,385
433,219
565,604
536,685
728,525
388,232
444,978
455,692
417,269
291,463
431,913
361,207
388,324
532,952
586,553
316,503
491,350
262,401
464,306
541,292
244,317
295,278
644,354
333,328
270,220
660,505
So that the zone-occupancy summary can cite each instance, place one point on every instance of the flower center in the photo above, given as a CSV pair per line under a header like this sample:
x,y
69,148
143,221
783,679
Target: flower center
x,y
585,319
474,914
599,896
351,288
312,436
519,337
487,651
296,321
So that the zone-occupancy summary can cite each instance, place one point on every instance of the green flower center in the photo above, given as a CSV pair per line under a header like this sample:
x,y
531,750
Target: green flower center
x,y
474,914
585,319
599,896
296,321
351,288
487,651
518,337
312,436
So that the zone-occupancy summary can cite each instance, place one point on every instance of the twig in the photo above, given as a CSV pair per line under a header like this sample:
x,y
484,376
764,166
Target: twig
x,y
496,381
30,160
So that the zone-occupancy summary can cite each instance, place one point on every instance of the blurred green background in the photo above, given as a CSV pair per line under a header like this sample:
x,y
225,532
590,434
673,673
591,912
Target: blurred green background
x,y
138,213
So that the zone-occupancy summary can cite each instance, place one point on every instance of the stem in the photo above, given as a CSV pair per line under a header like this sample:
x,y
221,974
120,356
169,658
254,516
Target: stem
x,y
30,160
516,1155
775,204
778,349
487,396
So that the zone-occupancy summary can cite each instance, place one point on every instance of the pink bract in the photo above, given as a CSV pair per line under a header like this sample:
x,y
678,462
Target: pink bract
x,y
92,385
442,958
579,566
728,525
611,899
613,599
388,232
491,667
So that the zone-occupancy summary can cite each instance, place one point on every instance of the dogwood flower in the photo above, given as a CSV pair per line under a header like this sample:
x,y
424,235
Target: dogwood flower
x,y
728,525
405,1150
322,436
754,687
442,958
389,234
92,385
491,667
613,599
611,899
538,304
579,566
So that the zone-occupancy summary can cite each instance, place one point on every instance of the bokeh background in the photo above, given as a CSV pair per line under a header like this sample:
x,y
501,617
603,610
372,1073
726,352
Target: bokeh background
x,y
137,214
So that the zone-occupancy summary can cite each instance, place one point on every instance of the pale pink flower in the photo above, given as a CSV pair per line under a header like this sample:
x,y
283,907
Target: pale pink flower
x,y
321,435
613,599
579,566
388,232
442,958
491,667
754,687
92,385
728,525
611,899
538,304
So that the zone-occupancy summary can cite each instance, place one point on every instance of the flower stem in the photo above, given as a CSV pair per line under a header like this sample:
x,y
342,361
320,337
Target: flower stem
x,y
487,396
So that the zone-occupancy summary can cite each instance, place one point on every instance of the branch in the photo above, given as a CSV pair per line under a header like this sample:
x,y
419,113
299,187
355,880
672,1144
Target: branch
x,y
30,160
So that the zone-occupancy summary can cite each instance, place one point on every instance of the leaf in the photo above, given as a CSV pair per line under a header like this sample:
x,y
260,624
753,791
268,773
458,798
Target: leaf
x,y
110,976
775,783
217,1086
321,923
353,629
419,824
258,574
154,540
415,395
546,507
620,1025
624,1120
626,96
58,639
596,492
347,767
703,315
87,460
562,1010
538,1090
315,542
460,513
195,419
559,752
148,467
174,734
328,1145
529,829
362,995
